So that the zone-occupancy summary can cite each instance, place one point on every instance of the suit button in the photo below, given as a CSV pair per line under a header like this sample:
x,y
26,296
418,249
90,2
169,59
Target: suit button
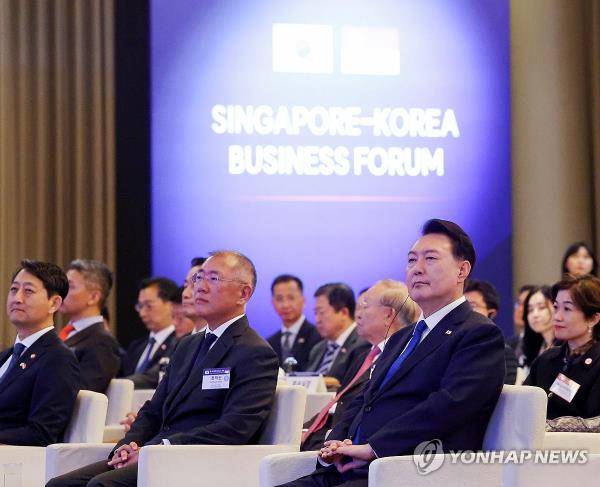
x,y
368,409
166,428
550,394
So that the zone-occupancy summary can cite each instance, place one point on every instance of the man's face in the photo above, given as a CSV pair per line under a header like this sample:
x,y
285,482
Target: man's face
x,y
183,325
79,297
28,304
330,323
288,301
475,299
434,276
220,295
372,318
154,311
187,296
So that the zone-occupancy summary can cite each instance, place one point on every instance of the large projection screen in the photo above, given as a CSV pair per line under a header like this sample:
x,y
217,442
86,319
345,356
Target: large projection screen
x,y
317,136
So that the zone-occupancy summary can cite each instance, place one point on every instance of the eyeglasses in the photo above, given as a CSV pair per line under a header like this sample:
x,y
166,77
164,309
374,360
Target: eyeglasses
x,y
140,306
212,279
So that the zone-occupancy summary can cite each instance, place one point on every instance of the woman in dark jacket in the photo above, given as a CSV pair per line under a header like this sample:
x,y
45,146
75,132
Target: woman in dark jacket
x,y
570,373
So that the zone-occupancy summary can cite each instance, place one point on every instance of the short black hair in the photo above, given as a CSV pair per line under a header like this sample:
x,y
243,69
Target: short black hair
x,y
573,249
339,295
197,261
487,291
526,288
53,277
167,288
286,278
462,246
177,298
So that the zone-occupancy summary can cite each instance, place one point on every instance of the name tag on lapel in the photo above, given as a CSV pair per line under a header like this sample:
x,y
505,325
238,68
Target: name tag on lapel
x,y
216,378
565,387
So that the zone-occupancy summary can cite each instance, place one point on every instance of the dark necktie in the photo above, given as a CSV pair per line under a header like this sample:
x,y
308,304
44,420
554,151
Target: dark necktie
x,y
412,344
14,358
328,358
324,414
209,339
286,346
146,362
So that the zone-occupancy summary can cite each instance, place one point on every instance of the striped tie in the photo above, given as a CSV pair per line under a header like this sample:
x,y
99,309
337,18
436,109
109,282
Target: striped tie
x,y
328,358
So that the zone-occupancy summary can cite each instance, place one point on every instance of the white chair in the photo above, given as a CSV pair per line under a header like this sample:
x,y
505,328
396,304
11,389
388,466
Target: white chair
x,y
517,423
229,465
86,425
315,401
120,399
140,396
572,441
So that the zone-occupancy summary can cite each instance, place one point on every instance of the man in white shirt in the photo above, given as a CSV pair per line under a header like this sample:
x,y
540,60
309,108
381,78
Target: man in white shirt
x,y
436,382
96,349
39,376
219,387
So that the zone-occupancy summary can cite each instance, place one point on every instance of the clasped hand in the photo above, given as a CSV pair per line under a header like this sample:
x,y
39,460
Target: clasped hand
x,y
346,456
125,455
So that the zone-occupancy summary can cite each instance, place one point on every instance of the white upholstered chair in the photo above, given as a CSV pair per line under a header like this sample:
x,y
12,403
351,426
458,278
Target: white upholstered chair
x,y
120,399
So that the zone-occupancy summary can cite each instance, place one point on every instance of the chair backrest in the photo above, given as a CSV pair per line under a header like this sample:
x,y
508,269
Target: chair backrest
x,y
87,422
518,421
284,425
315,401
120,398
140,396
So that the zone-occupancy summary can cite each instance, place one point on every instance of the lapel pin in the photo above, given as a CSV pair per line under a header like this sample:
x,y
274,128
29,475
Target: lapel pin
x,y
301,340
163,347
32,356
588,361
22,365
343,350
448,332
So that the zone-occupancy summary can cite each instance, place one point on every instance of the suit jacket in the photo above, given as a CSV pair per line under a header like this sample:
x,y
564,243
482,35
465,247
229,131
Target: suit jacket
x,y
355,360
583,369
98,354
149,378
184,412
446,389
306,339
37,397
340,364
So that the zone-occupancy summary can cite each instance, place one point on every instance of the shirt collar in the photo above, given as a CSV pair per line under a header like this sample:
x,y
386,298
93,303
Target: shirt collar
x,y
31,339
83,323
344,336
162,335
295,328
441,313
219,330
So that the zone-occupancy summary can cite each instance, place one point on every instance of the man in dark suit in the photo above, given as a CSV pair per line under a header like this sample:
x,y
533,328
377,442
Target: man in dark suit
x,y
155,307
96,349
483,298
334,316
438,380
219,386
39,376
297,336
381,311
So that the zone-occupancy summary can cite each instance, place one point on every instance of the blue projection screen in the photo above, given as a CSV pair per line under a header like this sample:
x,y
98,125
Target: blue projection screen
x,y
317,136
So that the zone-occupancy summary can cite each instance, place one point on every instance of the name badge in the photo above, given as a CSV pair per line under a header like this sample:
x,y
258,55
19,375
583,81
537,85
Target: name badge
x,y
216,378
564,387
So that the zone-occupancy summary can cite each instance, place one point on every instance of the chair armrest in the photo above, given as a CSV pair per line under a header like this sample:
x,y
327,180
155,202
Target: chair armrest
x,y
230,465
64,457
560,440
27,461
285,467
113,433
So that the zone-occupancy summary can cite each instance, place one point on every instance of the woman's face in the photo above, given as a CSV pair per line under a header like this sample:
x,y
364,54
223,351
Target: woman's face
x,y
580,263
539,314
570,323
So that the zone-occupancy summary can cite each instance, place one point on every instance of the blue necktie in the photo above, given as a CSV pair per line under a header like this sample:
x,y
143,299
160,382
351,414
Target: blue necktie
x,y
412,344
14,358
327,360
146,362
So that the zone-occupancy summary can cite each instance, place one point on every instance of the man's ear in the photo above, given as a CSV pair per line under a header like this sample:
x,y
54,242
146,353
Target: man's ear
x,y
245,294
55,302
492,313
464,269
95,296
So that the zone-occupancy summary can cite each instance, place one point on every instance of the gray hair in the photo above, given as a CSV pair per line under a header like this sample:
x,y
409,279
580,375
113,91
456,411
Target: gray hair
x,y
395,295
95,274
243,266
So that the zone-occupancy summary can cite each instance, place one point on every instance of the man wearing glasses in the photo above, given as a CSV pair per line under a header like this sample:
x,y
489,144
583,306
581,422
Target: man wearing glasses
x,y
218,388
154,306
